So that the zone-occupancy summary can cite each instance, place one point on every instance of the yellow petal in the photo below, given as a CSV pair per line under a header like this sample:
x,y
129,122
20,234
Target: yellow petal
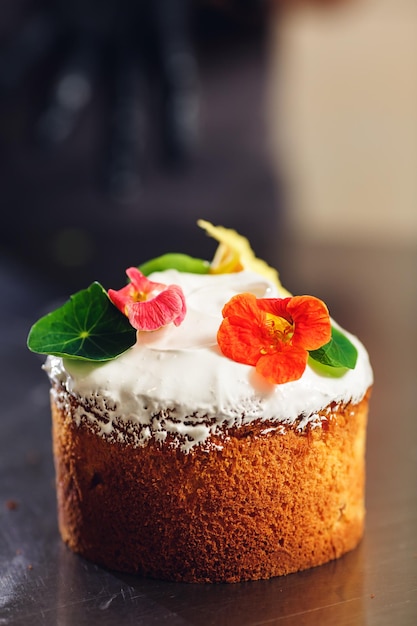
x,y
234,253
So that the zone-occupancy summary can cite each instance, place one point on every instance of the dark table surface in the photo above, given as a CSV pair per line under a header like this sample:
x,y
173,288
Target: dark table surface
x,y
370,290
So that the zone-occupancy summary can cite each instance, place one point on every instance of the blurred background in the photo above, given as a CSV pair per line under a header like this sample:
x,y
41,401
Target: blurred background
x,y
342,114
122,122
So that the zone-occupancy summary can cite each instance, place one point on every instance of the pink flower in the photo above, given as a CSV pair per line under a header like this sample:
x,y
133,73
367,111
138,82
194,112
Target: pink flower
x,y
147,304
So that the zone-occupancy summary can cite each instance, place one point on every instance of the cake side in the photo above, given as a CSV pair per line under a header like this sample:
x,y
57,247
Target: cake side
x,y
262,503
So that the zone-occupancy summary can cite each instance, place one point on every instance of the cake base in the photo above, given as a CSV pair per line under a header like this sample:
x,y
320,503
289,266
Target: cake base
x,y
259,505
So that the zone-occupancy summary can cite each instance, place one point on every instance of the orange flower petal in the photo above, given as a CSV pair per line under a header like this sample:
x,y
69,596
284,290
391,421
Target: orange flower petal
x,y
284,366
274,334
310,316
239,342
311,320
243,306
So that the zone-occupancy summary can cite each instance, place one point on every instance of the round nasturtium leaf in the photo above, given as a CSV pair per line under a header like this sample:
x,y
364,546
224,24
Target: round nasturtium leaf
x,y
87,327
176,261
338,352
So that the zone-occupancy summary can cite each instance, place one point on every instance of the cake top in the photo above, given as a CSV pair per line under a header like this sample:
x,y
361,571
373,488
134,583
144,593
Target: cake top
x,y
188,346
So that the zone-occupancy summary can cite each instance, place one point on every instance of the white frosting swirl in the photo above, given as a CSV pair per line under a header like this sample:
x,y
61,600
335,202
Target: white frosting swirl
x,y
175,381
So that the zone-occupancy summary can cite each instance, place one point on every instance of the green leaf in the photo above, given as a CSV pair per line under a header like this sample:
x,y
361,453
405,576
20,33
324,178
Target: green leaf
x,y
338,352
87,327
176,261
327,370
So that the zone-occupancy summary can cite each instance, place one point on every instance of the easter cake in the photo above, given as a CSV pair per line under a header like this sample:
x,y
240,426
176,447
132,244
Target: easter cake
x,y
208,426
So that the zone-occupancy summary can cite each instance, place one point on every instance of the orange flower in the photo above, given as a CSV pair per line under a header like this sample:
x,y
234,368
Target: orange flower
x,y
147,304
274,334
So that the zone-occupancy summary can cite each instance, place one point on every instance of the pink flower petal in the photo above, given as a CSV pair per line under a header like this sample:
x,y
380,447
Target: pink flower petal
x,y
147,304
121,297
141,283
168,306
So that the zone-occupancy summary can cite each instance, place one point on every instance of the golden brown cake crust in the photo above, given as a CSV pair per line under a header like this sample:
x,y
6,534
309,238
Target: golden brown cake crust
x,y
263,505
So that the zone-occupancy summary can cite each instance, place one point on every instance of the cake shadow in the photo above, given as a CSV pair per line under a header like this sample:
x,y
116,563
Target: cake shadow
x,y
247,603
84,586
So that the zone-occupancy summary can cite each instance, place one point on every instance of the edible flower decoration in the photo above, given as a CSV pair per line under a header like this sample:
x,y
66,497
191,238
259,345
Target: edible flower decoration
x,y
95,325
234,254
278,335
147,304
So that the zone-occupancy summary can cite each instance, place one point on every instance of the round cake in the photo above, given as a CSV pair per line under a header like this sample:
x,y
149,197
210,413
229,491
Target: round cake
x,y
226,443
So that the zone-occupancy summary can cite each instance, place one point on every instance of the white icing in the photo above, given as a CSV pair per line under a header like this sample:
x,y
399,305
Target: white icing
x,y
175,381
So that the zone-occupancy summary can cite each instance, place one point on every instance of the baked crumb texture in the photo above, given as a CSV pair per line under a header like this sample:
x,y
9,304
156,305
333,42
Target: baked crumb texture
x,y
262,503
